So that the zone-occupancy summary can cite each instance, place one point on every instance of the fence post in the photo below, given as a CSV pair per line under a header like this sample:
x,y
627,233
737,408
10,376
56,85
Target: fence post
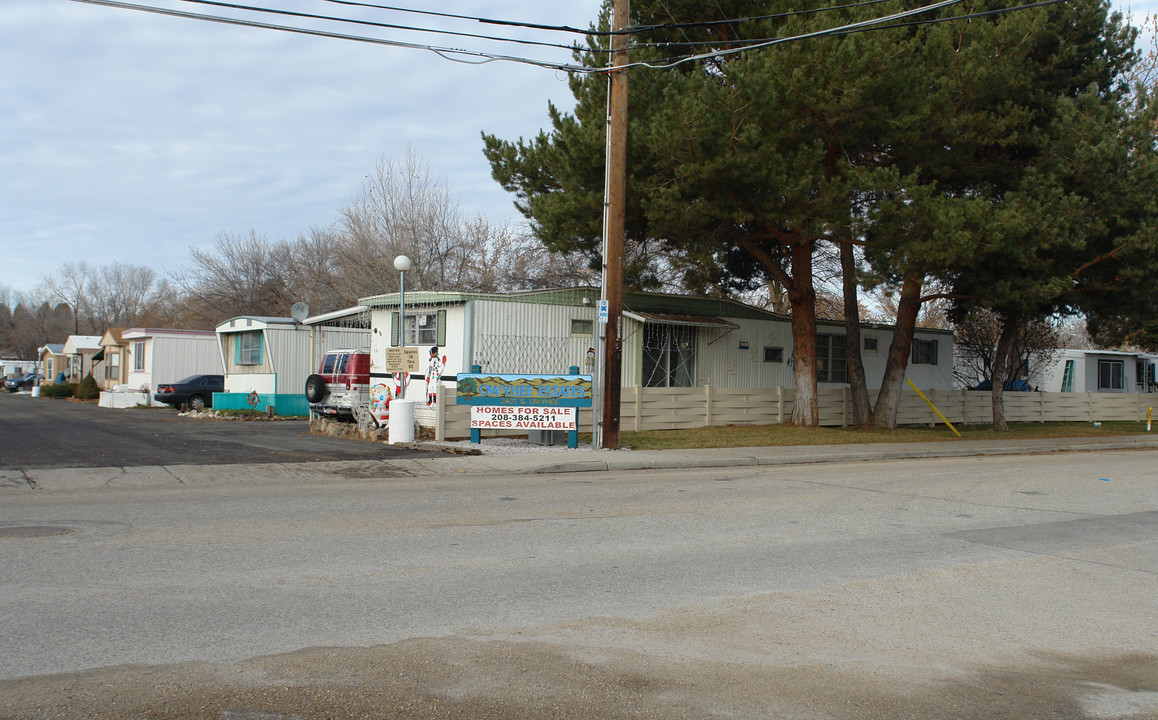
x,y
933,400
780,403
638,408
708,405
1041,405
1090,406
843,406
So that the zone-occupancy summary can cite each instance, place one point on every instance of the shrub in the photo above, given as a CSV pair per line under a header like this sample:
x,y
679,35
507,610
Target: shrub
x,y
88,389
58,390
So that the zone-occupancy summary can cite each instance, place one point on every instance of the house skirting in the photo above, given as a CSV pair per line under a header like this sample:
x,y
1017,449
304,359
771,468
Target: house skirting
x,y
283,404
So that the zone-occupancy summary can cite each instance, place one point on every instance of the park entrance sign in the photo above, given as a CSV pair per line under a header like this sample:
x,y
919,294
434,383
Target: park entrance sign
x,y
524,402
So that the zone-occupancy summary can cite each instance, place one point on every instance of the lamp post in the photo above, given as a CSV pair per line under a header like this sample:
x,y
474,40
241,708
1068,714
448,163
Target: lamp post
x,y
401,425
402,264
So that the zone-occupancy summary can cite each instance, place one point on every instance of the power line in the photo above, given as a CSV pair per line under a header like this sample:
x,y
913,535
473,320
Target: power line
x,y
834,33
778,41
371,23
444,52
460,55
472,18
732,21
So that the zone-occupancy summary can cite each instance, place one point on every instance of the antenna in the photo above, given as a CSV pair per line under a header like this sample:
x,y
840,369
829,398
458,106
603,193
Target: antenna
x,y
300,311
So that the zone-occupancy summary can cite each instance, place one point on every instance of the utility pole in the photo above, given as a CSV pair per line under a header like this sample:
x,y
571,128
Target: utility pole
x,y
613,240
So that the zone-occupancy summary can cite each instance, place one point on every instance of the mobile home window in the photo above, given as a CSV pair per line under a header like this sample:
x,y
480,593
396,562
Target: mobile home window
x,y
1111,375
669,355
831,358
870,344
422,328
249,348
924,352
139,356
113,366
582,327
773,354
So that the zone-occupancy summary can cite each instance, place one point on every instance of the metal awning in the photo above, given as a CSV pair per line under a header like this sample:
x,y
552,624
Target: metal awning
x,y
684,320
99,356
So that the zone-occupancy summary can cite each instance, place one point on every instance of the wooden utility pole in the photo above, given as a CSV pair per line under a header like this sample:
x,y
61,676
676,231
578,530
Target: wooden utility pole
x,y
616,227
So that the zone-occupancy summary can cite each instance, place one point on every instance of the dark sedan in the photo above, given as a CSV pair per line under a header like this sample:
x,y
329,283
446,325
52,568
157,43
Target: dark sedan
x,y
24,382
195,391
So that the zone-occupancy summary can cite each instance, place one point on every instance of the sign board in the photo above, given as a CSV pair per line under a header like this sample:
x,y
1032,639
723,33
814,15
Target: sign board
x,y
507,417
604,311
524,390
403,359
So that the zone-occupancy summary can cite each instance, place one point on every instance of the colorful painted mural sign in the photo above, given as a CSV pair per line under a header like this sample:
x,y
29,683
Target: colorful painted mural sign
x,y
524,390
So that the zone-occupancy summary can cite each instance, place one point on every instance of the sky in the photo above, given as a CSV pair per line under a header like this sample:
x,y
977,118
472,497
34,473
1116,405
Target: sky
x,y
131,137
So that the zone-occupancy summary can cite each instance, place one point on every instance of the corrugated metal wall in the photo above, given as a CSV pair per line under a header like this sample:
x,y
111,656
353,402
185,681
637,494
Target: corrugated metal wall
x,y
172,358
530,338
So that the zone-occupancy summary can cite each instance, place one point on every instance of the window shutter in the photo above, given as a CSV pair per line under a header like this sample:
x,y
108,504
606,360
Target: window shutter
x,y
441,335
933,346
260,346
237,348
394,334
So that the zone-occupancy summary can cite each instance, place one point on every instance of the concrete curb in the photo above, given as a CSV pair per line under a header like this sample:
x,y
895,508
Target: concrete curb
x,y
546,463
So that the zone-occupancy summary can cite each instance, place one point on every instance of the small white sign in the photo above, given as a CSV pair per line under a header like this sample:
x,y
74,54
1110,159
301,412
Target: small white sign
x,y
485,417
604,311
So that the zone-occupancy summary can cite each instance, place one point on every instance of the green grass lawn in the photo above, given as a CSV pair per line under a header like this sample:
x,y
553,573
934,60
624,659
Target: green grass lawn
x,y
764,435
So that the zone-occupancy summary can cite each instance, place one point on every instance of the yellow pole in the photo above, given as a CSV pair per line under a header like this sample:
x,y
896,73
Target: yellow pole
x,y
1148,411
934,407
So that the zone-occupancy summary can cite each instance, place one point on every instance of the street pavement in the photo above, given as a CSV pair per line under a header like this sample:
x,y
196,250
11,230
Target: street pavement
x,y
430,462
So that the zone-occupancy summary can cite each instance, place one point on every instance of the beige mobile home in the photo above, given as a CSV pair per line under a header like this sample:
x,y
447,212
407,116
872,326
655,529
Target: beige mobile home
x,y
669,341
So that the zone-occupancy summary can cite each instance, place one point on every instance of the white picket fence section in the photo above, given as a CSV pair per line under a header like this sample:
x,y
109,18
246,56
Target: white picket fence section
x,y
644,408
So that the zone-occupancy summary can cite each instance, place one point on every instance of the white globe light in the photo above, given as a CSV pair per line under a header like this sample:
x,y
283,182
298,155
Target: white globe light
x,y
402,263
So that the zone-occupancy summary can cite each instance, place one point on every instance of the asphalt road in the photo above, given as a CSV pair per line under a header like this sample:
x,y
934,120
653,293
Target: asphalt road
x,y
1010,587
49,433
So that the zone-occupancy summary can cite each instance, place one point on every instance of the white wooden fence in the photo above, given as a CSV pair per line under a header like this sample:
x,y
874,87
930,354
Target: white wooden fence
x,y
644,408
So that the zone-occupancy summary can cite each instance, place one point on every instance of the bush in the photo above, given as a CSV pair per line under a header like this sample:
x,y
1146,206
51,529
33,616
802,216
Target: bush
x,y
88,389
58,390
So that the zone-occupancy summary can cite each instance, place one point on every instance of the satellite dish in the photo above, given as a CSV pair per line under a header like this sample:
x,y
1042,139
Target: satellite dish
x,y
300,311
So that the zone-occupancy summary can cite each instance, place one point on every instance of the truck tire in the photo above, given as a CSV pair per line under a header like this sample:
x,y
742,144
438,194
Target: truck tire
x,y
315,388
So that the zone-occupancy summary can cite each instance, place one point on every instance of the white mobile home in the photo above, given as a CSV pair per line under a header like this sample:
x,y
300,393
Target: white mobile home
x,y
668,340
1100,371
161,355
267,359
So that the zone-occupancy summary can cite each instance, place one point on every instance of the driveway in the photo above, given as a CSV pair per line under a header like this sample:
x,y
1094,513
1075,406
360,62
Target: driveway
x,y
48,433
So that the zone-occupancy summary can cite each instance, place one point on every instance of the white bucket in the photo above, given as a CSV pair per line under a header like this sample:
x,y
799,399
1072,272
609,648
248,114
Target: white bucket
x,y
35,391
401,421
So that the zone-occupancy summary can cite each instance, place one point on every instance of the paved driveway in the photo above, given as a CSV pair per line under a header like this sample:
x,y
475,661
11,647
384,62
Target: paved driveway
x,y
47,433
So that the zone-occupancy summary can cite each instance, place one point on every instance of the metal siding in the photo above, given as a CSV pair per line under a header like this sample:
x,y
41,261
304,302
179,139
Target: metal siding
x,y
540,337
176,358
289,351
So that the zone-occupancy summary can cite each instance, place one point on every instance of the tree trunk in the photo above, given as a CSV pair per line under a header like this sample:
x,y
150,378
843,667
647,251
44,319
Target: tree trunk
x,y
1000,370
805,410
861,408
889,398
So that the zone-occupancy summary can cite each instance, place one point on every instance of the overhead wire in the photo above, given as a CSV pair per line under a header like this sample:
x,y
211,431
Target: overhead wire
x,y
371,23
912,23
478,57
445,52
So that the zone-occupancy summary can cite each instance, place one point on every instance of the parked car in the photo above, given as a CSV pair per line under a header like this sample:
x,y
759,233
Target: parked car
x,y
24,382
341,383
196,391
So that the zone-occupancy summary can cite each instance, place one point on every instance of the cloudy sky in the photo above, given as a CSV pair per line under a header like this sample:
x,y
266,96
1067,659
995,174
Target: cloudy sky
x,y
129,137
